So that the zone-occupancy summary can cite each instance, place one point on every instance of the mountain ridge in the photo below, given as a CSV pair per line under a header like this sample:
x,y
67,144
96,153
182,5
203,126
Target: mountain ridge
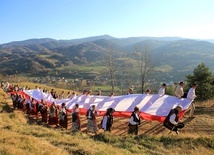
x,y
48,56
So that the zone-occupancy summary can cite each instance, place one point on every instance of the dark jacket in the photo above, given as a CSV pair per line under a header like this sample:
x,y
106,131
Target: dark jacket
x,y
135,119
90,114
167,122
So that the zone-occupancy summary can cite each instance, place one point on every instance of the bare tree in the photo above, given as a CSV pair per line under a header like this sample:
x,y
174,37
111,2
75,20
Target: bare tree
x,y
111,65
145,64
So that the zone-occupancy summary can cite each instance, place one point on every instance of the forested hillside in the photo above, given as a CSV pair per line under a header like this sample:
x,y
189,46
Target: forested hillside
x,y
173,57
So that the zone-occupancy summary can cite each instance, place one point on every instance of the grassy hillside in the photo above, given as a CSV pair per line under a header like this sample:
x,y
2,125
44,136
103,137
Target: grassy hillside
x,y
32,137
76,58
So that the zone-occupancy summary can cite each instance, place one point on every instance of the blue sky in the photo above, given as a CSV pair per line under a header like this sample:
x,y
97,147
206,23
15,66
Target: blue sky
x,y
71,19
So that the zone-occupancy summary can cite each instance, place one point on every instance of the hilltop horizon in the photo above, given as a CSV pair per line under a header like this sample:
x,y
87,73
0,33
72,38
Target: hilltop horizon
x,y
109,36
86,57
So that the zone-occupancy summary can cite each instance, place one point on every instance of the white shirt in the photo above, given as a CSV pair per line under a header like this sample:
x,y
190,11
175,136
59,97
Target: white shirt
x,y
191,94
104,122
179,92
161,91
172,119
30,103
61,96
62,110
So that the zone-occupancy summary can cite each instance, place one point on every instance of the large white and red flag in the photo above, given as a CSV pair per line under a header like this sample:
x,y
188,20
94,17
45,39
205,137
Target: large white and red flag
x,y
152,107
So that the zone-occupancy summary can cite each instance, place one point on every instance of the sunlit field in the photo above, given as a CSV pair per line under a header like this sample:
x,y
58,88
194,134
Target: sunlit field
x,y
21,134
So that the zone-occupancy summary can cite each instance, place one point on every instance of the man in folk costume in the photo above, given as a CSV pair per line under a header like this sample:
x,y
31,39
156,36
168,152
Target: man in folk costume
x,y
63,122
134,121
179,91
43,109
53,115
130,91
191,95
91,117
162,89
75,119
108,120
172,119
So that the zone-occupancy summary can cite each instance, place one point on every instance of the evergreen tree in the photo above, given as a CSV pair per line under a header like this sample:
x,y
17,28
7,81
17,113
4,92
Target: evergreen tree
x,y
204,78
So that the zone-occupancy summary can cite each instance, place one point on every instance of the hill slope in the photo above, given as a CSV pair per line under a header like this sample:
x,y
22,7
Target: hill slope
x,y
43,57
31,137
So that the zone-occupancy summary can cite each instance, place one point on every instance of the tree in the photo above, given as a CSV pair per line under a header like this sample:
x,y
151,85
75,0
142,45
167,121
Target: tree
x,y
144,57
110,61
204,78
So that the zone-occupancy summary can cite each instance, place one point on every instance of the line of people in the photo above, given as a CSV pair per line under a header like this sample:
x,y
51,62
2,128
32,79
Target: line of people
x,y
58,115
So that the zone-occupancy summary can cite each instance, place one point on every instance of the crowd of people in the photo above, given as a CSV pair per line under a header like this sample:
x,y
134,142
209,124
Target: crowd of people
x,y
58,116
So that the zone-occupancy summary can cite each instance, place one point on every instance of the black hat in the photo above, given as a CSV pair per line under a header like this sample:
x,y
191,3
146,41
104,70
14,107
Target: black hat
x,y
110,110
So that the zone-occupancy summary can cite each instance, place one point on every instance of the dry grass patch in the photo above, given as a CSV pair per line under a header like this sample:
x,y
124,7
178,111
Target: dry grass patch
x,y
19,136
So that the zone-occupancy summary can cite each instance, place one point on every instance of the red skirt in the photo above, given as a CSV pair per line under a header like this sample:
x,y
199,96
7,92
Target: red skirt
x,y
53,120
34,110
44,114
64,123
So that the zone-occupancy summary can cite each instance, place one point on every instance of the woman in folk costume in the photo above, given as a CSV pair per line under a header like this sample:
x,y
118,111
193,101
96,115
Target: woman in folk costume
x,y
91,117
108,120
75,119
172,119
43,109
63,122
134,121
14,99
34,108
29,105
21,102
61,96
53,115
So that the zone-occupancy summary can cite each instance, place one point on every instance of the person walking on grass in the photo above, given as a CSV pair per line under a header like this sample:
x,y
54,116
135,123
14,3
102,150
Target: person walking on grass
x,y
91,117
134,121
63,122
75,119
53,115
107,120
42,108
179,91
191,95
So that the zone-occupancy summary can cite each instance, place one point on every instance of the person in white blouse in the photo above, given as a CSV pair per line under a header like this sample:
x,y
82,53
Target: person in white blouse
x,y
134,121
107,120
191,95
162,89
